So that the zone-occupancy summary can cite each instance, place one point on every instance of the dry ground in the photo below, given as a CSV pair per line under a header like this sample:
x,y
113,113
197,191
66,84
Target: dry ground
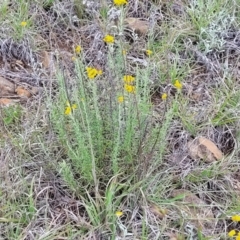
x,y
169,167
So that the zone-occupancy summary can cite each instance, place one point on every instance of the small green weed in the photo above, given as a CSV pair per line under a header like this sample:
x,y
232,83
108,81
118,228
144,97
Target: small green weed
x,y
11,115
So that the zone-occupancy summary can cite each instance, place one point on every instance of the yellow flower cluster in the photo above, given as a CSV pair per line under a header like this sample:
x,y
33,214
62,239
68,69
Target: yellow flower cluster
x,y
232,233
236,218
23,24
128,86
120,99
69,108
109,39
124,52
118,213
93,72
119,2
178,84
128,79
149,52
78,49
164,96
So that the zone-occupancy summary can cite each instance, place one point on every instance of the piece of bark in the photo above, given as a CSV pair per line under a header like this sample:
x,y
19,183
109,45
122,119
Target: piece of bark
x,y
6,87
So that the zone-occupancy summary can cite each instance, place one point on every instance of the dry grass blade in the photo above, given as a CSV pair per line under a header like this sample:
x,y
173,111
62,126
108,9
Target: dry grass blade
x,y
196,209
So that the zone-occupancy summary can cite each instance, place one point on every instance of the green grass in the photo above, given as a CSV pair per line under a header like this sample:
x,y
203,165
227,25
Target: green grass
x,y
73,155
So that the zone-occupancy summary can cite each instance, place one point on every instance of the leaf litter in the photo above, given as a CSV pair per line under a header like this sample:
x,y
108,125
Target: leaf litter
x,y
205,149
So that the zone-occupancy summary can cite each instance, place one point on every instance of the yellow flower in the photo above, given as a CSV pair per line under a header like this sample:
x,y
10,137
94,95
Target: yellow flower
x,y
120,99
237,237
164,96
236,218
177,84
108,39
149,52
93,72
129,88
23,24
74,106
120,2
128,79
68,109
118,213
232,233
124,52
99,72
78,49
